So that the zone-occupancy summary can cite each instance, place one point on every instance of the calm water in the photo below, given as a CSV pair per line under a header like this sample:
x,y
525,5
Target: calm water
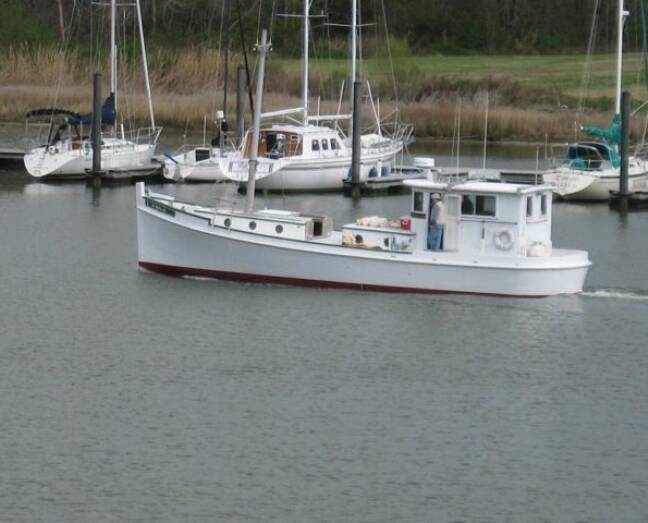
x,y
130,396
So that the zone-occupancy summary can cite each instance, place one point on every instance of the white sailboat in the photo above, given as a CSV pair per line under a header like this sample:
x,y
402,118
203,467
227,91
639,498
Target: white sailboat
x,y
68,152
497,240
194,164
309,156
591,169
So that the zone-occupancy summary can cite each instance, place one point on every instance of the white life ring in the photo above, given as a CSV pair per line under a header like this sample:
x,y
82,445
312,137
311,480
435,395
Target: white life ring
x,y
51,149
504,240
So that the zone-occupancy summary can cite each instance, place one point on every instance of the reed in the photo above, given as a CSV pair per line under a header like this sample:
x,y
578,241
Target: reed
x,y
188,86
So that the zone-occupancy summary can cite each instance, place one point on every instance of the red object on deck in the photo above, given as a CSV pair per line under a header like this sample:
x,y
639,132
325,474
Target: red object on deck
x,y
405,224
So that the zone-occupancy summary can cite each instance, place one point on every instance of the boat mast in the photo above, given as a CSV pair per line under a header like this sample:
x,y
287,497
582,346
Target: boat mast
x,y
262,49
113,50
620,22
145,62
354,44
306,49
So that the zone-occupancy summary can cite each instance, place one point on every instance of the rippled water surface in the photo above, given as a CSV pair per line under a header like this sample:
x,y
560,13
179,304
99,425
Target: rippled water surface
x,y
131,396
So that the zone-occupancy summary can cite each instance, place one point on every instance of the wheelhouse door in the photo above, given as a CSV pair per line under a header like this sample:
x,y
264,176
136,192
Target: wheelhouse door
x,y
453,216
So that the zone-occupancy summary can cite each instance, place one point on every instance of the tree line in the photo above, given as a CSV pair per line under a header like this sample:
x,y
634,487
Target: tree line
x,y
446,26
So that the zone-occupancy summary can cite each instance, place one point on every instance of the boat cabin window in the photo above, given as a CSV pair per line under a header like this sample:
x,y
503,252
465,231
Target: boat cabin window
x,y
478,205
417,205
588,155
325,144
315,145
334,144
529,206
275,144
202,154
543,205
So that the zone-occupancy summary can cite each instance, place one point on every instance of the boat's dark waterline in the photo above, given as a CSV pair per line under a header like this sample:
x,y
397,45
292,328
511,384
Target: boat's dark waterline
x,y
300,282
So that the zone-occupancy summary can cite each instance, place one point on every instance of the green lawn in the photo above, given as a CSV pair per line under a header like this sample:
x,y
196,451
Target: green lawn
x,y
556,73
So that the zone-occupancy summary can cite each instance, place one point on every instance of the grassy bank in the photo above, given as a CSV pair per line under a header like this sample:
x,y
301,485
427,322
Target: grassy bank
x,y
531,97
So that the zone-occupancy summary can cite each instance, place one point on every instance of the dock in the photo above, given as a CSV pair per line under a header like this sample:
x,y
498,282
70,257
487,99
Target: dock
x,y
530,177
10,157
631,201
393,183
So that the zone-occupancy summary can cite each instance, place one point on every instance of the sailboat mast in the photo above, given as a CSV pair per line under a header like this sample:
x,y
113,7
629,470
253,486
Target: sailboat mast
x,y
354,41
113,50
306,49
620,22
262,49
145,62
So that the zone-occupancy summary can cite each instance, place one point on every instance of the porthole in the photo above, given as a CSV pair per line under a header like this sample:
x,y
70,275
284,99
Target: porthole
x,y
252,226
358,238
227,222
279,229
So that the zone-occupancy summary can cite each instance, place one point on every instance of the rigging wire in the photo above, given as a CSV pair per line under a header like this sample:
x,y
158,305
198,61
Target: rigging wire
x,y
389,54
245,57
587,68
67,44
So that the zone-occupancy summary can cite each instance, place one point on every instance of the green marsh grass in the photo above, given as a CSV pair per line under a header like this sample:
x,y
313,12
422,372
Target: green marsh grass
x,y
531,98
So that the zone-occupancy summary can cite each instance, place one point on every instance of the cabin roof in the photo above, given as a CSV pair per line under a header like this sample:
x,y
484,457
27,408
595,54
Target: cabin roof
x,y
477,187
300,129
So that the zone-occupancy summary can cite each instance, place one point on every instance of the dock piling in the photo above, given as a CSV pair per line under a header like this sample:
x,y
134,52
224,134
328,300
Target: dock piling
x,y
355,153
96,131
620,200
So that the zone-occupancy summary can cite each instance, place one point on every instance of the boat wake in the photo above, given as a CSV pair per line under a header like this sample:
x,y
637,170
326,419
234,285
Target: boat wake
x,y
616,294
196,278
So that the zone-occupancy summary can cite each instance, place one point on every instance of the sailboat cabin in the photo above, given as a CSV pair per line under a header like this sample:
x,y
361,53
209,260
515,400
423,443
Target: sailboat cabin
x,y
498,219
285,141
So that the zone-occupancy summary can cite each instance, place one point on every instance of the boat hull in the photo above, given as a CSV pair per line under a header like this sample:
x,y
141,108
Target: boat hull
x,y
310,174
182,168
586,186
75,163
188,245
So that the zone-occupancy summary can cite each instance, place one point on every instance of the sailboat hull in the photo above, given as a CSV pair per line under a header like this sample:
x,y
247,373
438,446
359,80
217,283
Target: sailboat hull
x,y
65,162
593,186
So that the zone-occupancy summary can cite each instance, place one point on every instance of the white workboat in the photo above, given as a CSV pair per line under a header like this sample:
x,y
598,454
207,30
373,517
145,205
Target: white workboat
x,y
497,241
68,151
592,169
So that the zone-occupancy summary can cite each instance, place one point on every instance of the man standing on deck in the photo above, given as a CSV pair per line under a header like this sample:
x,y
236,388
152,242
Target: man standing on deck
x,y
436,223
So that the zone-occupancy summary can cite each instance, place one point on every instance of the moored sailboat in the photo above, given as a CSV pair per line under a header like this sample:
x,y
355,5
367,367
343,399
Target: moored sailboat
x,y
68,151
591,169
308,155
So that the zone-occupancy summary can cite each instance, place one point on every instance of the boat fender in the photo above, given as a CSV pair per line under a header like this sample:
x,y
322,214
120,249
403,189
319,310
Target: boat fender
x,y
504,239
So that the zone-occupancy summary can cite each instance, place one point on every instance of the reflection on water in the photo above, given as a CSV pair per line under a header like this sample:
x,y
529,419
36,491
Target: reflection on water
x,y
130,396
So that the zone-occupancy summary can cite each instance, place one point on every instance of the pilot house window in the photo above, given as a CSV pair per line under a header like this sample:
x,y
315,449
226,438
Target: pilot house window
x,y
418,202
529,207
543,205
477,205
315,145
325,144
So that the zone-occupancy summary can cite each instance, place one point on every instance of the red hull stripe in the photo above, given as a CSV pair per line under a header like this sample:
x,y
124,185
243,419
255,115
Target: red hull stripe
x,y
259,278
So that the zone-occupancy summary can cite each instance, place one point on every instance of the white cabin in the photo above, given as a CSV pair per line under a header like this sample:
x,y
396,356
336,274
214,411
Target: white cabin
x,y
486,218
286,141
